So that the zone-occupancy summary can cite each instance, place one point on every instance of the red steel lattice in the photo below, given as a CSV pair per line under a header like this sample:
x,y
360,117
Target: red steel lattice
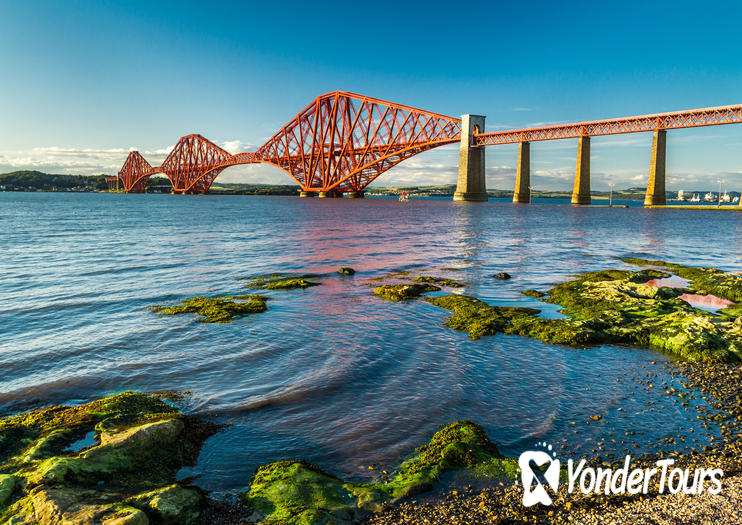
x,y
341,141
675,120
135,173
194,163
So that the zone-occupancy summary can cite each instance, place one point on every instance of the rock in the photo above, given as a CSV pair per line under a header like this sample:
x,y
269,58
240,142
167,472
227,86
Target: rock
x,y
141,443
403,292
127,516
346,270
615,307
282,282
502,276
216,309
476,317
118,452
296,492
172,505
8,485
443,281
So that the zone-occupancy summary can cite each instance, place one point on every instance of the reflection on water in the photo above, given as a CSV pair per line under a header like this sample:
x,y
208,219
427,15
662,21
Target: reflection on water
x,y
331,374
706,302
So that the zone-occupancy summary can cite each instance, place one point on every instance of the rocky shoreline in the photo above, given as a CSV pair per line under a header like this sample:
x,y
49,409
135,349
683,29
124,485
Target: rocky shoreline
x,y
114,461
134,444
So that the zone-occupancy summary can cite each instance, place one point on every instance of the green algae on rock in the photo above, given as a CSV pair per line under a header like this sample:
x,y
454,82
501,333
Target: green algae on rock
x,y
404,292
476,317
346,270
282,282
126,476
611,306
216,309
443,281
298,493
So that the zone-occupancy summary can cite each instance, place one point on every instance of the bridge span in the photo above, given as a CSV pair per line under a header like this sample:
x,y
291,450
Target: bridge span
x,y
342,141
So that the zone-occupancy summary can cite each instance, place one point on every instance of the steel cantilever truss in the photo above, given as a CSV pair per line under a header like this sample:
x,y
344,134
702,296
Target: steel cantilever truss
x,y
135,173
341,141
194,163
675,120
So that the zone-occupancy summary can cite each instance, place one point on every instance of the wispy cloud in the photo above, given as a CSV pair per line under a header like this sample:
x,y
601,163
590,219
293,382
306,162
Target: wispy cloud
x,y
88,161
552,165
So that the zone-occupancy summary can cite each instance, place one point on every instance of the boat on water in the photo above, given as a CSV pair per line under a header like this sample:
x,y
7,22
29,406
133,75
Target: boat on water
x,y
709,197
695,198
726,197
403,197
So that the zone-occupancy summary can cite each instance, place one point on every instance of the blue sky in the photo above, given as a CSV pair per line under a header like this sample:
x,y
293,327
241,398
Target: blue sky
x,y
84,82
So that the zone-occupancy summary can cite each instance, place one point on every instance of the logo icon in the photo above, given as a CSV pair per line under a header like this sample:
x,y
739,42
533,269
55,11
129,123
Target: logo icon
x,y
536,476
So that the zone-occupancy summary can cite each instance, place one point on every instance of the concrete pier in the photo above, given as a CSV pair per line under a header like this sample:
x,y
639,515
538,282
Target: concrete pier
x,y
471,185
656,184
581,191
356,195
522,193
306,194
332,194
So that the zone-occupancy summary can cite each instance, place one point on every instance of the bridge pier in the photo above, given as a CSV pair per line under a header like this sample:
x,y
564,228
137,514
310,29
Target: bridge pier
x,y
471,185
356,194
306,194
331,194
522,193
581,191
656,184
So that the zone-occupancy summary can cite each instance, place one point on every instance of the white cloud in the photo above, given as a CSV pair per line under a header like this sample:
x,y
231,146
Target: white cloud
x,y
236,146
552,165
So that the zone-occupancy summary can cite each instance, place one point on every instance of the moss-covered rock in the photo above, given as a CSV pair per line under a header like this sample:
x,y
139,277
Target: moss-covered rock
x,y
403,292
8,485
616,307
216,309
443,281
171,505
282,282
140,444
346,270
296,492
476,317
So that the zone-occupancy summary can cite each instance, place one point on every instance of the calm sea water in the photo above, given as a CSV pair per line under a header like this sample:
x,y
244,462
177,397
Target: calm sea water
x,y
331,374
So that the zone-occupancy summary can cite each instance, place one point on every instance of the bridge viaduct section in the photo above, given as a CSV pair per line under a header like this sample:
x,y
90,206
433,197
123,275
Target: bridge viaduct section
x,y
342,141
471,177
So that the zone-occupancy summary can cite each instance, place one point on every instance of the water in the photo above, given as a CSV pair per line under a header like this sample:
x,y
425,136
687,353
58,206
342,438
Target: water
x,y
331,374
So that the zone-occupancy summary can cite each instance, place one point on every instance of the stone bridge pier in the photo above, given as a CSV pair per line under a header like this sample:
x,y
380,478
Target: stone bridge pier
x,y
656,184
471,185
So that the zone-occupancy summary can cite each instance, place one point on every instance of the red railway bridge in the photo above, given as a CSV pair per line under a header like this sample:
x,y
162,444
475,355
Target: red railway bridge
x,y
342,141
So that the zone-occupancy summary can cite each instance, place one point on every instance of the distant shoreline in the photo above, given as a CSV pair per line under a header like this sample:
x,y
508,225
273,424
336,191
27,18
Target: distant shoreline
x,y
36,181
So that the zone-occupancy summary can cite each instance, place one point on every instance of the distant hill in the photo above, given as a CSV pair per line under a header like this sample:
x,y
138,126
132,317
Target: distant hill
x,y
39,181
